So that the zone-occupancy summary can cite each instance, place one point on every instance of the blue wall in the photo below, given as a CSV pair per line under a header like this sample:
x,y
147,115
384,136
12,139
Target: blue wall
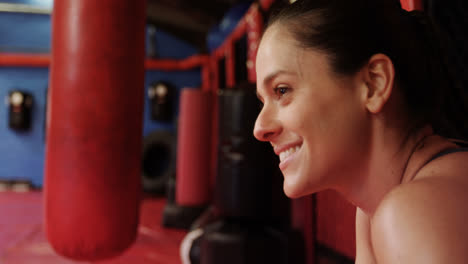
x,y
22,154
189,79
176,50
21,33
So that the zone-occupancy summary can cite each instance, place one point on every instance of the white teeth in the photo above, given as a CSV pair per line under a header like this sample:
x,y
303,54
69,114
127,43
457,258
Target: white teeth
x,y
283,155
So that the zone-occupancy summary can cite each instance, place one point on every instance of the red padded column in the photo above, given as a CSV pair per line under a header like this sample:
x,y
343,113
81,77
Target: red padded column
x,y
230,64
411,5
193,186
92,173
254,33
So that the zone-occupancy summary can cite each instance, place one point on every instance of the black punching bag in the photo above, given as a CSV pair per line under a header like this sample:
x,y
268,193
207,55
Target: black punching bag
x,y
245,165
246,190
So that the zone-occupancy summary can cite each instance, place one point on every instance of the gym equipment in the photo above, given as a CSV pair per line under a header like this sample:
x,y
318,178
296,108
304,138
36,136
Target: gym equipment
x,y
192,186
236,242
217,34
158,161
20,110
93,168
161,95
410,5
193,149
249,222
244,185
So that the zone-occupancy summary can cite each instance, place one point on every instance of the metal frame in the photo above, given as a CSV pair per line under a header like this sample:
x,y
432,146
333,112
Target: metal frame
x,y
24,9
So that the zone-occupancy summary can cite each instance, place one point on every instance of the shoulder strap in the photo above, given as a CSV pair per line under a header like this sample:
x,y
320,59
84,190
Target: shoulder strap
x,y
463,147
461,143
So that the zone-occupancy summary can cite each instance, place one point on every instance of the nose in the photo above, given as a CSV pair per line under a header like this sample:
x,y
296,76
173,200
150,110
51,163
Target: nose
x,y
266,126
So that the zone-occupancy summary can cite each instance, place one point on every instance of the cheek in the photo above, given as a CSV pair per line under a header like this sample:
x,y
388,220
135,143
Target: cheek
x,y
335,128
315,118
294,117
341,115
326,120
344,133
351,119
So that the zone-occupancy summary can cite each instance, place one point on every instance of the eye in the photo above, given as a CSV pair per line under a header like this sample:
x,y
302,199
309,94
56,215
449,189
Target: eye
x,y
281,90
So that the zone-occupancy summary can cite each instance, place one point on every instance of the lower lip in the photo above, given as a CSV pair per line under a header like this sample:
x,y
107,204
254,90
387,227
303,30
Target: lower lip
x,y
283,164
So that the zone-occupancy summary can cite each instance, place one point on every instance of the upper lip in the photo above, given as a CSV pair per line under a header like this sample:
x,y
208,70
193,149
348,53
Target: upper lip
x,y
281,148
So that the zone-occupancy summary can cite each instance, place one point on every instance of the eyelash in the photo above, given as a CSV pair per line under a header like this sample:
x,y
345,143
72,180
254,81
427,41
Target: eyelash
x,y
280,91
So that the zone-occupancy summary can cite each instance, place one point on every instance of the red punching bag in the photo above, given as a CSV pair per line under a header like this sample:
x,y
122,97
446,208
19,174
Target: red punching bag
x,y
193,149
94,131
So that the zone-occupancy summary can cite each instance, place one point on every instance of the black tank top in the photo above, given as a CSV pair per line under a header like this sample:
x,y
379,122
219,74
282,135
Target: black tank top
x,y
463,147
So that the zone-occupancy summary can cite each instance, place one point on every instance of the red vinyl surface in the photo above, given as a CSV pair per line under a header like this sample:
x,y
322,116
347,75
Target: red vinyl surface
x,y
22,239
94,132
24,60
411,5
193,148
336,223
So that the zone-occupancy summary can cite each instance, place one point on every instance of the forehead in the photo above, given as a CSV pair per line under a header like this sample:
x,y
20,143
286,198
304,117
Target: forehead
x,y
280,52
277,41
277,51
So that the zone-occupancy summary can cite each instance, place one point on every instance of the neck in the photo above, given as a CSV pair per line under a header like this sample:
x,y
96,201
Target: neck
x,y
389,153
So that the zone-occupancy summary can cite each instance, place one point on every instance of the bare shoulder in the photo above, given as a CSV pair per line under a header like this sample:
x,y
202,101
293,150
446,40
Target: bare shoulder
x,y
364,252
424,221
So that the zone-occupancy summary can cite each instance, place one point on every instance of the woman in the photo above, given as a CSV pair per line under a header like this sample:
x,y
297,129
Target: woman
x,y
356,98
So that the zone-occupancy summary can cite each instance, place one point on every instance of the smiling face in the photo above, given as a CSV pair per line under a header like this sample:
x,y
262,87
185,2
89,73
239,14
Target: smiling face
x,y
314,118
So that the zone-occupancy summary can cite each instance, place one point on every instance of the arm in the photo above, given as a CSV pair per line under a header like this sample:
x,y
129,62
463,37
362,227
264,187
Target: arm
x,y
364,250
422,222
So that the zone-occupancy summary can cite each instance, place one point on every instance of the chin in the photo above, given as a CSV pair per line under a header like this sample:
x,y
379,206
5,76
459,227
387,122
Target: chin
x,y
296,187
292,191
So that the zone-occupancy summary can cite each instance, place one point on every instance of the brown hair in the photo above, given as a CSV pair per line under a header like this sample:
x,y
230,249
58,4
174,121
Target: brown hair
x,y
350,32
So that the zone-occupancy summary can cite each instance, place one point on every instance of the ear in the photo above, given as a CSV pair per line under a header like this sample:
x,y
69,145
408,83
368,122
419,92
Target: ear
x,y
379,75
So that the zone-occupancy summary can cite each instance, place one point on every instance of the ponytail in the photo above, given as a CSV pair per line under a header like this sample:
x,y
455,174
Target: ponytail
x,y
449,101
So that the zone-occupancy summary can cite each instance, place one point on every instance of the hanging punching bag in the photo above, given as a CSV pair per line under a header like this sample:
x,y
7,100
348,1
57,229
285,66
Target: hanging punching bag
x,y
92,168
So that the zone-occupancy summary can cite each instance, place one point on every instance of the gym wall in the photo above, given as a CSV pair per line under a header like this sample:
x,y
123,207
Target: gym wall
x,y
29,34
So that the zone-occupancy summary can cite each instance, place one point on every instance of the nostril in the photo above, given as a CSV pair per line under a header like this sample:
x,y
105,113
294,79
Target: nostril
x,y
267,135
266,128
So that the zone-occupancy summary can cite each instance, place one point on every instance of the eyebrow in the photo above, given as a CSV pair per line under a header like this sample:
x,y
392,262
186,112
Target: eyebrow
x,y
275,74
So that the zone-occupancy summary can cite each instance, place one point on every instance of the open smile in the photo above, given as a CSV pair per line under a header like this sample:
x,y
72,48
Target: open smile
x,y
287,154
